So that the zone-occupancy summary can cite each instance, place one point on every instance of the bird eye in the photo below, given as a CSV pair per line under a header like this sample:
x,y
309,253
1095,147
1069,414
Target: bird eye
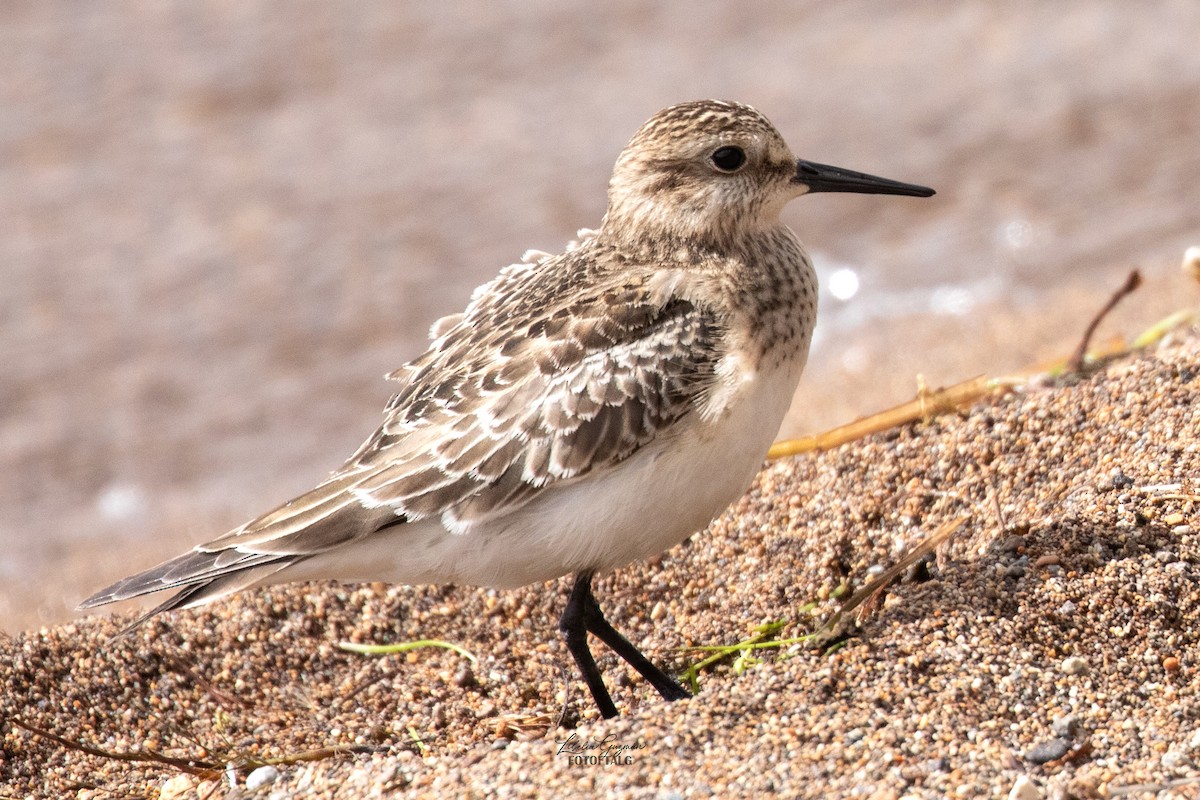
x,y
728,159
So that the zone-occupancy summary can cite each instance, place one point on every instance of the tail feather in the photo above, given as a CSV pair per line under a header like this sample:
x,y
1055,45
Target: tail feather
x,y
314,522
192,569
196,594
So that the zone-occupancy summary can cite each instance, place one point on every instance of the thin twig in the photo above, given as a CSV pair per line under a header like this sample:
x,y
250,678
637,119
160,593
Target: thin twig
x,y
192,766
840,622
1001,519
319,754
1151,788
926,405
207,770
1075,364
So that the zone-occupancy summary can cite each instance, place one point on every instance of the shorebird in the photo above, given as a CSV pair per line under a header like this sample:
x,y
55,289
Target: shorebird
x,y
587,410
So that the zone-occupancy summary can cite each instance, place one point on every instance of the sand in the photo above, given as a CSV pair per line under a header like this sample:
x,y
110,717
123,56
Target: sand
x,y
1047,650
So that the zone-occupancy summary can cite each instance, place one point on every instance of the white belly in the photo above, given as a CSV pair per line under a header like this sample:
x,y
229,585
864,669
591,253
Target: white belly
x,y
649,503
653,500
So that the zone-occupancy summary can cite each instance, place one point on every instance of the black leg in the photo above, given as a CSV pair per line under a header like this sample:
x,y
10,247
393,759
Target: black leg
x,y
573,624
667,686
583,615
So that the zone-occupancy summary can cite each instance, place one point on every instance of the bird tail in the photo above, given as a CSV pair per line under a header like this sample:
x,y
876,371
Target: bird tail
x,y
313,523
199,576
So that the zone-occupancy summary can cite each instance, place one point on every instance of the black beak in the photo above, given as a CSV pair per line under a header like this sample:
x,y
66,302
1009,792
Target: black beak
x,y
824,178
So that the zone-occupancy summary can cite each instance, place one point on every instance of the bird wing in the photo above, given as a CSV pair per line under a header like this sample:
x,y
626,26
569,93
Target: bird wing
x,y
540,382
537,384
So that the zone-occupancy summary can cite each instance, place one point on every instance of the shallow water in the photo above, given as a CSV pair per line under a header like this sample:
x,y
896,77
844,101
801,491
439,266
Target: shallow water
x,y
221,224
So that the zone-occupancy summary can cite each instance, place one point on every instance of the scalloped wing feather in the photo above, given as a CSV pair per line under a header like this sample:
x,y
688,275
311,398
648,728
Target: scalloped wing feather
x,y
534,385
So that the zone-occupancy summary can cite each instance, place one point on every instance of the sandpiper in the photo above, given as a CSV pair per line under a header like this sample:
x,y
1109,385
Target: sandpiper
x,y
587,409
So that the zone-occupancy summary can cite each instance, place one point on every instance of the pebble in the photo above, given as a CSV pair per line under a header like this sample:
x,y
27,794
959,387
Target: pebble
x,y
465,678
1012,543
1065,726
263,776
1119,480
176,787
1024,789
934,765
1074,665
1051,750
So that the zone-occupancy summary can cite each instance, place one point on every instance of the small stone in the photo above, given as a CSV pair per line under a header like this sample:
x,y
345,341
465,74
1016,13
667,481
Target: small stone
x,y
1048,751
658,612
1175,759
465,678
1074,665
1065,726
1024,789
1119,480
1068,608
176,787
1182,530
1173,519
934,765
263,776
1171,664
1012,544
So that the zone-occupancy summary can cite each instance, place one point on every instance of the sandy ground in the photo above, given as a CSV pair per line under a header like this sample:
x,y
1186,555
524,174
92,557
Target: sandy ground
x,y
1050,645
222,222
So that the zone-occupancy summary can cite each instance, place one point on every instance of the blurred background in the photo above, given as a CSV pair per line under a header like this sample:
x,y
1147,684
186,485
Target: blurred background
x,y
221,222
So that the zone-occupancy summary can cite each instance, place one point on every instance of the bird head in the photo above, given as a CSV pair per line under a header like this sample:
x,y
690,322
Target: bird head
x,y
712,170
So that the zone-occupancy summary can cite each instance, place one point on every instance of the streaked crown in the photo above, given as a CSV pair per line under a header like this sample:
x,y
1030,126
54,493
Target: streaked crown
x,y
705,170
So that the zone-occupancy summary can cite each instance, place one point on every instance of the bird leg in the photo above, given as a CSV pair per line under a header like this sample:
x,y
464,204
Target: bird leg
x,y
582,616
